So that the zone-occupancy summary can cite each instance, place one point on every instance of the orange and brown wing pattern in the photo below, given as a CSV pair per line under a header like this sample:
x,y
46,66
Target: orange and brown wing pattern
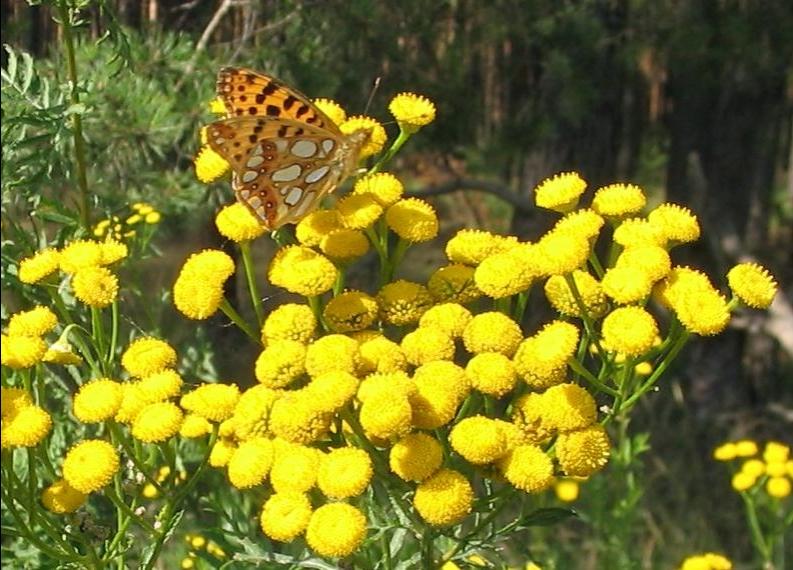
x,y
248,93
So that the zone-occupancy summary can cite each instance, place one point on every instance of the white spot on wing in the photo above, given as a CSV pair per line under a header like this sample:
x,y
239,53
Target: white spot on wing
x,y
255,202
294,196
317,174
257,150
244,194
281,145
254,161
304,149
249,176
327,145
286,174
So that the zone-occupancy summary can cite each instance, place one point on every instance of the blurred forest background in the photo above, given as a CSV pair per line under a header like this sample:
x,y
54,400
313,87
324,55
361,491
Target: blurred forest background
x,y
693,101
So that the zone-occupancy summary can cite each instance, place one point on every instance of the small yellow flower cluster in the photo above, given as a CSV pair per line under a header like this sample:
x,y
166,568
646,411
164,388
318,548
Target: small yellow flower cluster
x,y
115,228
197,543
150,491
198,290
24,424
707,561
772,470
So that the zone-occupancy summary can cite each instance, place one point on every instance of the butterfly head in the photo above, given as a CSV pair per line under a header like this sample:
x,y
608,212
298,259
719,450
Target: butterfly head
x,y
354,143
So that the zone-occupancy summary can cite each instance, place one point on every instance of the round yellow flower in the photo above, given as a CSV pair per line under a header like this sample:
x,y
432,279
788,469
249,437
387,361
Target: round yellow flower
x,y
385,415
491,373
413,220
214,402
285,516
112,251
416,457
209,165
377,134
98,400
541,360
26,427
708,561
558,253
344,245
567,407
302,271
383,186
725,452
583,452
13,399
290,321
148,355
778,487
507,273
133,400
336,530
444,499
331,352
449,318
403,302
296,418
652,260
209,264
528,468
492,332
444,375
40,265
359,211
161,385
561,297
157,422
566,490
332,390
80,254
351,311
316,225
251,414
583,223
638,231
745,448
752,284
344,472
412,111
626,284
471,247
61,498
454,283
381,355
479,440
775,452
676,223
743,480
35,322
619,200
90,465
195,426
440,388
196,297
704,312
294,468
221,452
392,384
237,223
22,351
95,286
561,192
333,110
250,463
425,345
281,363
629,330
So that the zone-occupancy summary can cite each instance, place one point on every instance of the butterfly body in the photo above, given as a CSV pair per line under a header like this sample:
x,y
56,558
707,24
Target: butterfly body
x,y
285,153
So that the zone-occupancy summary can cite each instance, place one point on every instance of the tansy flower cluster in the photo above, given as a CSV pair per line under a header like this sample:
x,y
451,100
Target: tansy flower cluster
x,y
770,470
119,227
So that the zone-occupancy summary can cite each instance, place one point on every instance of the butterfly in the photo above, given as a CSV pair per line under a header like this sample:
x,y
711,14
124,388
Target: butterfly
x,y
285,153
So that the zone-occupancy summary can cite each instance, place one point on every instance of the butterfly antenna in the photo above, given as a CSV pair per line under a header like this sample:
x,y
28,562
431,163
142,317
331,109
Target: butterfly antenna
x,y
375,86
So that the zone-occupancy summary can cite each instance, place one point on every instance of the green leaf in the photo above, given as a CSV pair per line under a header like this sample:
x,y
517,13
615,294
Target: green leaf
x,y
547,517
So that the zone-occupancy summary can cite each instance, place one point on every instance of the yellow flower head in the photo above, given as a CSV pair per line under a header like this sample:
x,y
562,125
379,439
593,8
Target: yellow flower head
x,y
13,399
344,472
445,376
333,110
359,211
680,283
395,384
26,427
450,318
676,223
221,452
61,351
252,411
302,271
133,400
90,465
112,251
558,253
285,516
425,345
250,463
507,273
638,231
331,352
413,220
619,200
479,440
403,302
561,297
209,165
336,530
35,322
454,283
583,223
61,498
444,499
652,260
214,402
778,487
528,468
383,186
35,268
80,254
440,388
561,192
157,422
746,448
541,360
332,390
707,561
566,490
281,363
568,407
583,452
627,284
492,332
95,286
471,247
294,468
385,415
21,351
98,400
147,355
351,311
316,225
198,290
195,426
528,416
726,452
381,355
296,418
412,111
704,312
629,330
416,457
237,223
491,373
161,385
377,134
290,321
776,452
752,284
344,245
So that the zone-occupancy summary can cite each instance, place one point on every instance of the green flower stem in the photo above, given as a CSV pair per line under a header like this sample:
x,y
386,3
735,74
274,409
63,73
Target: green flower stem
x,y
389,154
463,541
758,539
315,303
503,305
98,335
117,438
521,301
589,377
235,317
596,265
674,350
341,277
386,552
381,247
110,493
427,538
397,257
77,123
111,350
250,276
589,325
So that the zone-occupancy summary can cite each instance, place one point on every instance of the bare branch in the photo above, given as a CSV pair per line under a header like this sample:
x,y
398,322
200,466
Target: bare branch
x,y
495,188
